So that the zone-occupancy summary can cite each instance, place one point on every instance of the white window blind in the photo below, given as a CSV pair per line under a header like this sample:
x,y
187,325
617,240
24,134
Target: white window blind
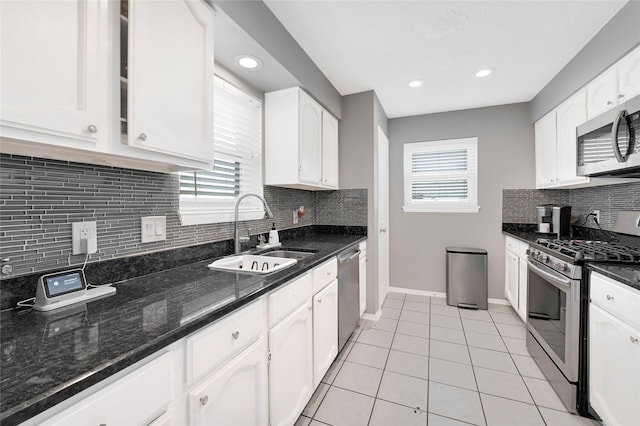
x,y
208,196
441,176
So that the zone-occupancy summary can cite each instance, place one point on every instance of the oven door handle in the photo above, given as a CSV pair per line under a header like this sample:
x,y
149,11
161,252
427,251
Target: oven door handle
x,y
558,281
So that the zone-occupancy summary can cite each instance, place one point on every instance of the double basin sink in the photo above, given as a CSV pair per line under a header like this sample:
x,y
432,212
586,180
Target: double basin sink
x,y
263,263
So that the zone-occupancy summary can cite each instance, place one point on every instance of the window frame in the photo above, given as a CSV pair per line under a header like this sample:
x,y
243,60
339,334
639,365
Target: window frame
x,y
470,205
194,210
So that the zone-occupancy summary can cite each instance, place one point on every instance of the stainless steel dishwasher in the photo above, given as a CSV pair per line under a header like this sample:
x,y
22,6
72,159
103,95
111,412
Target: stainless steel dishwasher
x,y
348,294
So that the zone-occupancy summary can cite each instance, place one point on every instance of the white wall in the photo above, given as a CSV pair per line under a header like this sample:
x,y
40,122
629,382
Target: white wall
x,y
505,160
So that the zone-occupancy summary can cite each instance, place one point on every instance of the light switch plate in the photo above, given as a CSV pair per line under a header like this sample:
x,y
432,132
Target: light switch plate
x,y
153,228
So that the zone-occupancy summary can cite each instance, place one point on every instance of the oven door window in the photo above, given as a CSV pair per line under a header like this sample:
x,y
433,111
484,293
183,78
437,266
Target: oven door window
x,y
547,313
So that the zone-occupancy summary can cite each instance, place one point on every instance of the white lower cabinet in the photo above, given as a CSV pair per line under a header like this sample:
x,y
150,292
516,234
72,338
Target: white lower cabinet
x,y
325,330
259,365
236,394
137,398
515,275
291,366
363,277
614,351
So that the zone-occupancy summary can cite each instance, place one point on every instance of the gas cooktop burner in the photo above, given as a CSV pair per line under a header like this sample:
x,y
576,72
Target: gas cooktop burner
x,y
599,251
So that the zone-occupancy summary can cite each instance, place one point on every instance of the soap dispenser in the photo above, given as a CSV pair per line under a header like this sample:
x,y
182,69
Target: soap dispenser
x,y
273,235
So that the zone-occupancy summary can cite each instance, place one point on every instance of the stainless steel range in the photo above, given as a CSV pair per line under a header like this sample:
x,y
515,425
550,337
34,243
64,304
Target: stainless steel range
x,y
557,308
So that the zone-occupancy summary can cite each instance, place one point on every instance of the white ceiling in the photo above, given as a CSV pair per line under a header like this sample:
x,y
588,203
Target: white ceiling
x,y
382,45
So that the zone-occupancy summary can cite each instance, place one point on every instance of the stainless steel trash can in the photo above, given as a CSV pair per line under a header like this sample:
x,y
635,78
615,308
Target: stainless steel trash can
x,y
467,277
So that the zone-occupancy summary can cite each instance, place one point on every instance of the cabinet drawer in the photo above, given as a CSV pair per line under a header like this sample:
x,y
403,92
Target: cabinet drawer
x,y
619,300
210,348
324,274
144,393
289,298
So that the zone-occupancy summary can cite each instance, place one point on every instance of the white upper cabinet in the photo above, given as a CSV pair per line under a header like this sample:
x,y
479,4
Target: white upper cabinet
x,y
301,142
614,86
545,137
569,115
63,94
330,170
629,75
50,72
602,93
310,144
170,78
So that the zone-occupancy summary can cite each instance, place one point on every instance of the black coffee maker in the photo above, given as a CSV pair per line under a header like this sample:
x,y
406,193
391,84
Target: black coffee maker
x,y
554,219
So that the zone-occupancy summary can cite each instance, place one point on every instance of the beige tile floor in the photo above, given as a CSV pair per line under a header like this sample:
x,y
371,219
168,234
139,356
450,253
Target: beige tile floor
x,y
426,363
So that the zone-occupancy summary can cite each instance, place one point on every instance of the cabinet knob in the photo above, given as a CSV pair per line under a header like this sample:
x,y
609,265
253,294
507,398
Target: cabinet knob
x,y
609,297
609,103
236,335
620,96
204,400
92,129
633,339
319,300
309,308
142,137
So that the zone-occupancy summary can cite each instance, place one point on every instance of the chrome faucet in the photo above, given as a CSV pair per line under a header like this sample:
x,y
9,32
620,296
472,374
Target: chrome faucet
x,y
237,239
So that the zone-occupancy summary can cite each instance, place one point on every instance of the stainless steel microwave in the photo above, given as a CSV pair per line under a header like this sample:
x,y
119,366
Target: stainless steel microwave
x,y
609,145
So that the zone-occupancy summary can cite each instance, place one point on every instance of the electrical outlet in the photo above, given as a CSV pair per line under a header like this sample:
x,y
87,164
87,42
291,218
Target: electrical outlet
x,y
83,231
597,215
295,217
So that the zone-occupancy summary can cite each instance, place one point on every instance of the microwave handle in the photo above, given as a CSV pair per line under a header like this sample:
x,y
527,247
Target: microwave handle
x,y
614,137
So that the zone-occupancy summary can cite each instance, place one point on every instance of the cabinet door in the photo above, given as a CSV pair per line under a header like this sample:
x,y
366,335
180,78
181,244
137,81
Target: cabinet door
x,y
236,394
569,115
170,69
511,279
310,140
325,330
330,169
522,289
602,93
614,368
291,366
545,136
49,77
629,75
363,285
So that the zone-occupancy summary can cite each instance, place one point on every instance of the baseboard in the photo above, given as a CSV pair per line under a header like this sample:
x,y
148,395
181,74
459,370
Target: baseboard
x,y
372,317
416,292
439,294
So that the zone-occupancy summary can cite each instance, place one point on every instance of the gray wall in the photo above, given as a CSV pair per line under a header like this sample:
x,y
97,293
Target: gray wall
x,y
362,113
40,198
618,37
262,25
505,160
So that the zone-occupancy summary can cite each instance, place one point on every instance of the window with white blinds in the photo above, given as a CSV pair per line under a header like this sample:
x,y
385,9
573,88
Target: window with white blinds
x,y
208,196
441,176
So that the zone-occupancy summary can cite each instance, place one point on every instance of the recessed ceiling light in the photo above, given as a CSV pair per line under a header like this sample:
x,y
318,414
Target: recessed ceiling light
x,y
416,83
249,62
483,72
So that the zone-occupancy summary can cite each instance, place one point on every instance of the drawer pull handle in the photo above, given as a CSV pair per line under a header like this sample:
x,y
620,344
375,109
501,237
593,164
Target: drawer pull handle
x,y
633,339
319,300
102,424
204,400
236,335
609,297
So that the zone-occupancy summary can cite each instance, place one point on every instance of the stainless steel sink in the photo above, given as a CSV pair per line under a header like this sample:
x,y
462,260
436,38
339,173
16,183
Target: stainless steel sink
x,y
290,254
253,264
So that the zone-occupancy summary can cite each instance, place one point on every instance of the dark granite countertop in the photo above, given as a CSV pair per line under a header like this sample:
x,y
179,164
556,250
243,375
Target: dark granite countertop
x,y
47,358
626,274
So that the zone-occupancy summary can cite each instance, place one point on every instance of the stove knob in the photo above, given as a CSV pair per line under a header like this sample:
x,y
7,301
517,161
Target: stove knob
x,y
528,252
545,258
563,267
